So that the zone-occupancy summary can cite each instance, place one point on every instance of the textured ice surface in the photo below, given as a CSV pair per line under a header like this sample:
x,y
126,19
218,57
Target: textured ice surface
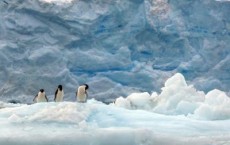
x,y
94,123
117,47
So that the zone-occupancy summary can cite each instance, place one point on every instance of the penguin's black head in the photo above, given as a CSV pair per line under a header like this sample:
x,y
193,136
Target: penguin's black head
x,y
42,90
86,87
60,87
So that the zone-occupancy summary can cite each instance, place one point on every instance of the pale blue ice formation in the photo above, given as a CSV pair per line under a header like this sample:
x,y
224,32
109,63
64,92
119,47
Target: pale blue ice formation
x,y
116,46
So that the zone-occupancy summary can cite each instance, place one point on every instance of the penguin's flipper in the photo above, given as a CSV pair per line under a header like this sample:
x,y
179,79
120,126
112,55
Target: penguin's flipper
x,y
46,98
55,95
35,98
86,96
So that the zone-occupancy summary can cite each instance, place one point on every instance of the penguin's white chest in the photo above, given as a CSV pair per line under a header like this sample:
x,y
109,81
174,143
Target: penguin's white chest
x,y
59,96
41,97
81,94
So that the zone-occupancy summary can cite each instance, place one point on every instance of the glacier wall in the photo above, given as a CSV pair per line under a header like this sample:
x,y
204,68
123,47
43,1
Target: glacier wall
x,y
116,46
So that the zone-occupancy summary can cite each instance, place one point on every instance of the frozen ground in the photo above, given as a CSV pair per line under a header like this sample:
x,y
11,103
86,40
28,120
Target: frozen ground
x,y
95,123
179,115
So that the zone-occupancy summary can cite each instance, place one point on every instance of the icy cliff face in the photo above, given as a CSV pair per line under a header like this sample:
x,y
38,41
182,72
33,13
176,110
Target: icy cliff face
x,y
117,47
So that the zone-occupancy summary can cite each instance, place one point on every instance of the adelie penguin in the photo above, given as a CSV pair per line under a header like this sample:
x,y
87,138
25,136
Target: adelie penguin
x,y
40,97
59,94
82,93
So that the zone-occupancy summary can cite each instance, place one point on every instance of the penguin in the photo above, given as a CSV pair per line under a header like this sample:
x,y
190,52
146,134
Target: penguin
x,y
59,94
40,97
82,93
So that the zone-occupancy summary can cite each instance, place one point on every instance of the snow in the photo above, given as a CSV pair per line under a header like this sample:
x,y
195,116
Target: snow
x,y
185,116
69,123
178,98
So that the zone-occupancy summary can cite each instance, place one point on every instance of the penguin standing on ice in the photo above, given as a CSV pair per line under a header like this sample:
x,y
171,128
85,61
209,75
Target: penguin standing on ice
x,y
59,94
40,97
82,93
